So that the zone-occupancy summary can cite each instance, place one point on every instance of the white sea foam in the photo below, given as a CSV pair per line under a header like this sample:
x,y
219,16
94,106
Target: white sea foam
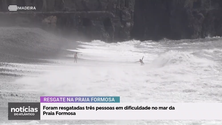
x,y
184,73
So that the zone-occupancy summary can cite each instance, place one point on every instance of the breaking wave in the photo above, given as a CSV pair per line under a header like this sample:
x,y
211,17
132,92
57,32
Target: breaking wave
x,y
174,71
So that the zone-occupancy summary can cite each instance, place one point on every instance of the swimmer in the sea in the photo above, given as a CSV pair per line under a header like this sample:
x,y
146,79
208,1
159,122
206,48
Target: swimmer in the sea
x,y
75,57
141,61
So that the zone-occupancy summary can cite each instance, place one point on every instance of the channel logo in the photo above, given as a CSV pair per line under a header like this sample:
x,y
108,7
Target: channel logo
x,y
16,8
23,111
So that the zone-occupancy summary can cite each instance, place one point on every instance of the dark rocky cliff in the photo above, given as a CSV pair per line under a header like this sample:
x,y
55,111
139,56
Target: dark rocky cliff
x,y
118,20
177,19
108,20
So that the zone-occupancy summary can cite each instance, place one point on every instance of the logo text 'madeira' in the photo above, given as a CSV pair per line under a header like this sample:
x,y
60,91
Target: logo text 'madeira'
x,y
26,8
17,8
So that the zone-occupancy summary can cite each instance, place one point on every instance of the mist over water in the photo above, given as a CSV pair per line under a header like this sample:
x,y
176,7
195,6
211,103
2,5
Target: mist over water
x,y
169,74
174,71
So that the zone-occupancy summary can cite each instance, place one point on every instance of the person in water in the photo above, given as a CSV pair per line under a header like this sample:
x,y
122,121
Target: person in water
x,y
75,57
141,61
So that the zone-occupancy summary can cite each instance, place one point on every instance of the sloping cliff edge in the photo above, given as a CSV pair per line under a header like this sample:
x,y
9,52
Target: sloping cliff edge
x,y
108,20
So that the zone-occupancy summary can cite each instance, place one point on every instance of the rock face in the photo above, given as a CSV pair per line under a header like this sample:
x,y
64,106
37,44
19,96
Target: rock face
x,y
119,20
177,19
108,20
151,19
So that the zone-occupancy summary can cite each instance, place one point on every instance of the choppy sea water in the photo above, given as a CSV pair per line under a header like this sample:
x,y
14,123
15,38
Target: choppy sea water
x,y
174,71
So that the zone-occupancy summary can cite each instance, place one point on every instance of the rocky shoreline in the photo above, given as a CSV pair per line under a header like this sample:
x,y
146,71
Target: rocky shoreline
x,y
120,20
